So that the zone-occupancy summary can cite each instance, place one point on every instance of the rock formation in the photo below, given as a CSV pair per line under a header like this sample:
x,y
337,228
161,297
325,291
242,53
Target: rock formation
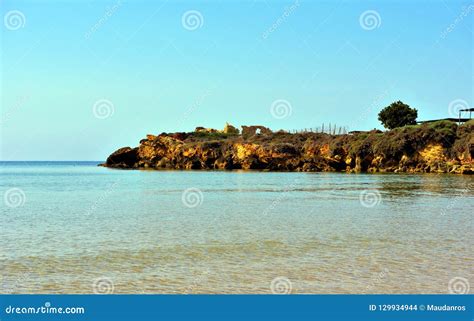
x,y
441,147
229,129
248,131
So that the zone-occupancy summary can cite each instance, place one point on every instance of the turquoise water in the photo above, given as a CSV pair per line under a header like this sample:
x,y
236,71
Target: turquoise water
x,y
68,226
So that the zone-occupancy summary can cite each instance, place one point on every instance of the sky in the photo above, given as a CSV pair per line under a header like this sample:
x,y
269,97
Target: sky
x,y
80,79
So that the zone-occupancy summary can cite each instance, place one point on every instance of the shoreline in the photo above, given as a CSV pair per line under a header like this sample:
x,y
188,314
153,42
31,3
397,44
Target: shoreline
x,y
440,147
141,169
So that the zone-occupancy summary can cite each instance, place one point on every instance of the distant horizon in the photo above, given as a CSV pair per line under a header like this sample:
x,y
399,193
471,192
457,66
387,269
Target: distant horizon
x,y
44,161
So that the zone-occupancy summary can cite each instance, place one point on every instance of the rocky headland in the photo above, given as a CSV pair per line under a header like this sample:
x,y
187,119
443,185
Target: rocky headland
x,y
438,147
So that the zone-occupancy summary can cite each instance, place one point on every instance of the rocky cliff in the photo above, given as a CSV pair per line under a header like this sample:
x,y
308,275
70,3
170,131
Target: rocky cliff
x,y
440,147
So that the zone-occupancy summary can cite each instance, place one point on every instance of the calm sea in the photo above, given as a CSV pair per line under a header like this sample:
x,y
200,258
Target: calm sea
x,y
73,227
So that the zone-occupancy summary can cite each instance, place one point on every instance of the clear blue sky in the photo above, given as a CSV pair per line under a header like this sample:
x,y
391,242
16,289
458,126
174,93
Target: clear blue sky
x,y
160,76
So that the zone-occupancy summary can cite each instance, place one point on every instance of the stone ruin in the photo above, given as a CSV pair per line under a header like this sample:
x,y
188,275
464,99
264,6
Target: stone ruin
x,y
229,129
248,131
205,130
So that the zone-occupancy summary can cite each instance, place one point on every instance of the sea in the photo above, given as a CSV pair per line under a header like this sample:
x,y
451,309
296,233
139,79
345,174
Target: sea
x,y
75,227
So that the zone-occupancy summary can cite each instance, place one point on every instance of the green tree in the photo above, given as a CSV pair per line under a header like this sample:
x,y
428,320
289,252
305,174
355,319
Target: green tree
x,y
398,114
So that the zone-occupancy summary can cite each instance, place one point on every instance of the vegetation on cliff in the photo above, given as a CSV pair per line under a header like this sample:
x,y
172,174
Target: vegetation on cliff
x,y
440,146
398,114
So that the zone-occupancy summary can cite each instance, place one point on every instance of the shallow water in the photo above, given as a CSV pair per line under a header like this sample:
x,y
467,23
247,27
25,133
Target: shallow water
x,y
73,227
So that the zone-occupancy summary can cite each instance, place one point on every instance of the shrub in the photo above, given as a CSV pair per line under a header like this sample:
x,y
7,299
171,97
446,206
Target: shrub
x,y
398,114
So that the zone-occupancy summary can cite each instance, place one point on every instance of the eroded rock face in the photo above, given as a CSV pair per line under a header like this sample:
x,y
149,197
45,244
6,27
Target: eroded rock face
x,y
125,157
415,152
